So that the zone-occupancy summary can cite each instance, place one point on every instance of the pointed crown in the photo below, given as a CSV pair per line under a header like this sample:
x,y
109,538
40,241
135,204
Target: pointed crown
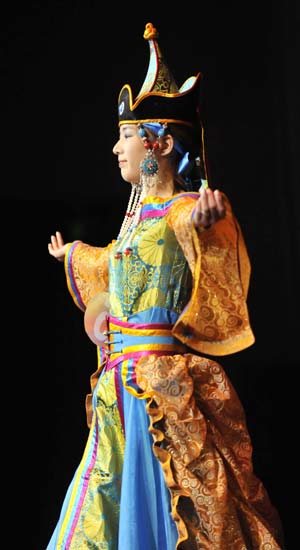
x,y
160,99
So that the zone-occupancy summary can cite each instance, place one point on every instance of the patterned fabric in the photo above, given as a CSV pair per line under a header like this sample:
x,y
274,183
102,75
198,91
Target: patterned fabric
x,y
118,495
95,490
216,319
156,273
217,501
168,462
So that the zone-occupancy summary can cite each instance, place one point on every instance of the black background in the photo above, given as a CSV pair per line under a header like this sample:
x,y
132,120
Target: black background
x,y
62,67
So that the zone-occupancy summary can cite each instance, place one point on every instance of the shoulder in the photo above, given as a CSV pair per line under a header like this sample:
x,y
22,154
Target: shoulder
x,y
180,210
184,199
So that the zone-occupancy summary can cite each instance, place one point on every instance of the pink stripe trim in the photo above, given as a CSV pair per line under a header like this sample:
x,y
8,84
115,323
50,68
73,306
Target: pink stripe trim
x,y
119,399
111,364
159,213
84,490
145,326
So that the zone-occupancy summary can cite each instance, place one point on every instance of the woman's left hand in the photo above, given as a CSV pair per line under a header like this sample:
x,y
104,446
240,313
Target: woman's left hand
x,y
209,209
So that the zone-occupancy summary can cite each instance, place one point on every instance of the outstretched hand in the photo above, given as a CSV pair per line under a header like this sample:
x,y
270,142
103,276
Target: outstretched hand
x,y
209,209
57,248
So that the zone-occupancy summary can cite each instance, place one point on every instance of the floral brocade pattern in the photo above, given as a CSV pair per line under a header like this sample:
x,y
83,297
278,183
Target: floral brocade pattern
x,y
89,271
98,479
213,314
202,442
216,320
155,273
166,270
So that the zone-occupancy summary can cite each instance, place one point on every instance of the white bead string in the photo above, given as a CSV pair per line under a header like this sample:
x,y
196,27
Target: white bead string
x,y
130,210
132,215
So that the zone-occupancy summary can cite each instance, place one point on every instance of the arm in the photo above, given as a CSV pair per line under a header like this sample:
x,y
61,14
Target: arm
x,y
86,267
215,321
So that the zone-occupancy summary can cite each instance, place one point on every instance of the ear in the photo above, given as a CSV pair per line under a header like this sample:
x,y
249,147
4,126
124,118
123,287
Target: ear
x,y
166,145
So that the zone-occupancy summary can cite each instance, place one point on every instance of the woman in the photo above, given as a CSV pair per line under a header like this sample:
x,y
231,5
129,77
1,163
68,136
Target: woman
x,y
167,464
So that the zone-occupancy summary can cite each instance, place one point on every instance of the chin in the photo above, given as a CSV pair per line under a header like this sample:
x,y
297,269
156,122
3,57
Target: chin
x,y
129,179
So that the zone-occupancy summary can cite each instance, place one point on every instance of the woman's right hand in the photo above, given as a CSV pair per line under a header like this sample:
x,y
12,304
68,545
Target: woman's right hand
x,y
57,248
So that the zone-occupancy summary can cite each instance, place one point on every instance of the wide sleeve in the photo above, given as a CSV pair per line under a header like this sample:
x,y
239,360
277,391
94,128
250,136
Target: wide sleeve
x,y
216,320
86,269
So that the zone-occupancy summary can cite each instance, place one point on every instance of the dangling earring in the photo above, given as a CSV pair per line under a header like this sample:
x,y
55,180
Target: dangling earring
x,y
149,166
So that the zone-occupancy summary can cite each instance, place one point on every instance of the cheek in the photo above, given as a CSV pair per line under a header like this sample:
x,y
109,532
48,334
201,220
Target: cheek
x,y
134,165
136,154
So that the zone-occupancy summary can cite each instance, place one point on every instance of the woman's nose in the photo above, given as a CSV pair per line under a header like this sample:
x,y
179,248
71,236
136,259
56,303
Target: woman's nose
x,y
115,148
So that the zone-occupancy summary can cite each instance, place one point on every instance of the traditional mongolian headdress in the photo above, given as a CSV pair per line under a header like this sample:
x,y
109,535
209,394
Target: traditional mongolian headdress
x,y
160,99
160,102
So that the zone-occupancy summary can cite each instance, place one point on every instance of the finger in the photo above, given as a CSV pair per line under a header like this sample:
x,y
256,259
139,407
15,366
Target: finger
x,y
59,238
204,207
208,209
201,211
212,206
220,203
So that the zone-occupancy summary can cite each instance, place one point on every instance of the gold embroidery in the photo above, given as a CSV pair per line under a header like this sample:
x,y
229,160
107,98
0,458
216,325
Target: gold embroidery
x,y
216,320
202,443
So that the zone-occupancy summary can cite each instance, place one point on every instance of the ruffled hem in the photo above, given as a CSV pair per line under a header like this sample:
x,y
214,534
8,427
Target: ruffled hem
x,y
202,443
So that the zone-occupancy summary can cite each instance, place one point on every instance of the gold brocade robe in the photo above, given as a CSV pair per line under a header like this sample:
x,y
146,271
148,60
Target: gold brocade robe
x,y
196,419
216,320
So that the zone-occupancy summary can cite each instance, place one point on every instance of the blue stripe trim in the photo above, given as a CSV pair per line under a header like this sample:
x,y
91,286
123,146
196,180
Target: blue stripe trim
x,y
163,205
71,277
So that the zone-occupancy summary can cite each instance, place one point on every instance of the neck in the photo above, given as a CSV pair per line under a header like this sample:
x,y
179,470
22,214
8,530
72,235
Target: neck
x,y
161,189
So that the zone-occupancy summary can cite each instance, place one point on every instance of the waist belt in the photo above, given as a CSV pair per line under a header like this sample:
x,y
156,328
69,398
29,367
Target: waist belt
x,y
131,340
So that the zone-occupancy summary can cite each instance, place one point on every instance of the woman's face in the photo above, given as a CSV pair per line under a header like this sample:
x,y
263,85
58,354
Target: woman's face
x,y
130,151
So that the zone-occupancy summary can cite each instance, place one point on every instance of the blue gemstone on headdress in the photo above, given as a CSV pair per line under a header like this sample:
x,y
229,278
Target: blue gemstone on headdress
x,y
121,108
142,132
162,131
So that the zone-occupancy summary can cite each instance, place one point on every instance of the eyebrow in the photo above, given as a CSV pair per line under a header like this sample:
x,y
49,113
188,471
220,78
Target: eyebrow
x,y
126,127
